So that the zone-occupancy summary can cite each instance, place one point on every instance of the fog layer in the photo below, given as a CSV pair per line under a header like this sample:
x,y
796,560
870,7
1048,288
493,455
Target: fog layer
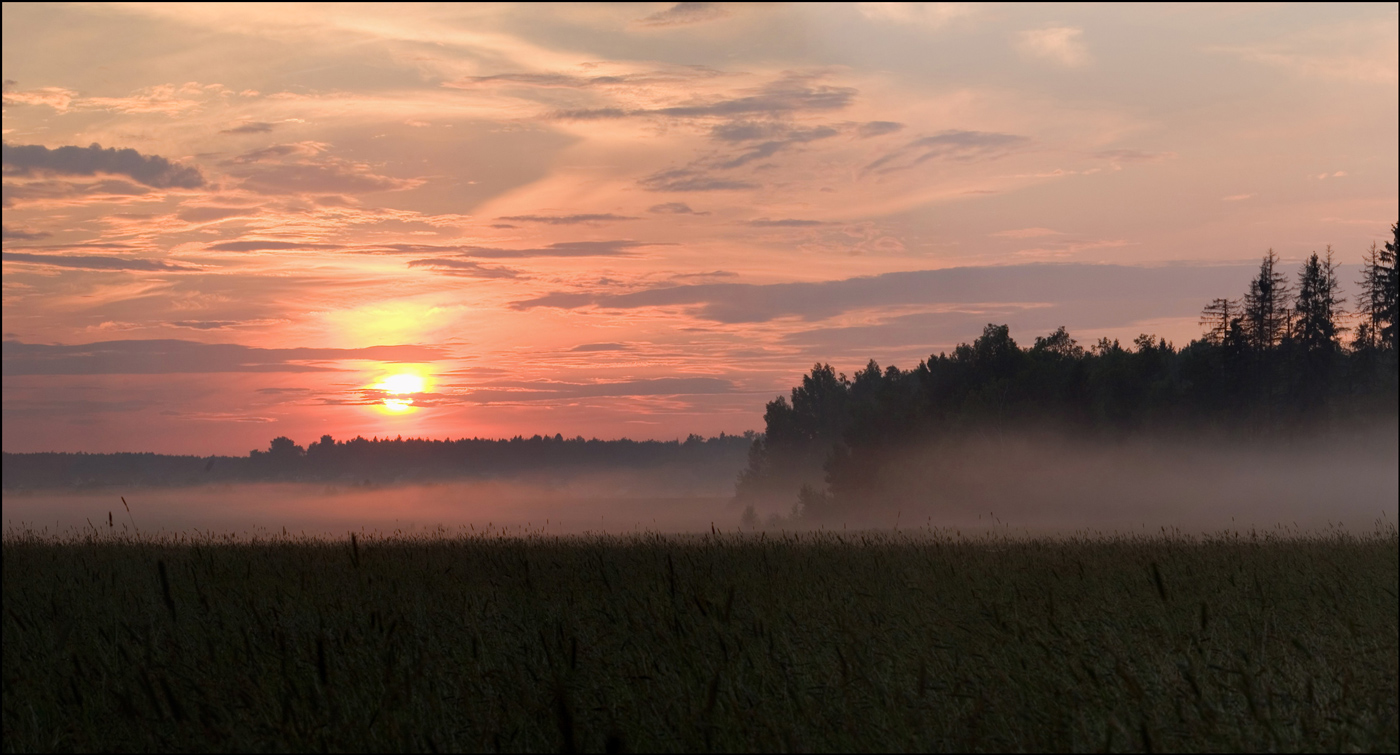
x,y
1027,485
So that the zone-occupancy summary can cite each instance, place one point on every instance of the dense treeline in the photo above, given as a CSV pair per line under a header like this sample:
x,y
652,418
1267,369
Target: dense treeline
x,y
377,460
1275,359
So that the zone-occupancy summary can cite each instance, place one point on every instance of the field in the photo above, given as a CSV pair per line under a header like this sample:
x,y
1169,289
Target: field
x,y
837,641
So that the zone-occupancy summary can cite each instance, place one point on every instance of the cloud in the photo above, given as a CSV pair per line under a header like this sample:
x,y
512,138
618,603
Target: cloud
x,y
1237,197
684,14
268,246
1364,51
769,148
953,146
691,179
743,131
674,208
566,219
670,75
510,392
1026,233
20,234
169,356
151,170
928,15
70,191
711,274
784,223
1057,44
616,248
304,168
211,213
204,324
1134,156
600,347
463,268
95,262
745,302
791,94
54,97
878,128
254,127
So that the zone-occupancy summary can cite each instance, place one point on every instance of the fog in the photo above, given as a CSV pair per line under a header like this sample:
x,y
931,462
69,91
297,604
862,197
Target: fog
x,y
1056,484
1023,485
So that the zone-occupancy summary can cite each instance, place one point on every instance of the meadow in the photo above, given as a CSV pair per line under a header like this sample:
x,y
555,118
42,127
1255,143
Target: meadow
x,y
833,641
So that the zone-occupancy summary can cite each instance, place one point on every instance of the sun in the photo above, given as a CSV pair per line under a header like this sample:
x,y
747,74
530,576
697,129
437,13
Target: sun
x,y
398,390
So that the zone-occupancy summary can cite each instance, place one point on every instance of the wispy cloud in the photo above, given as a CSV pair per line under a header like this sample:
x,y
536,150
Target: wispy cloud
x,y
252,127
684,14
95,262
926,15
1058,44
746,302
168,356
953,146
21,234
784,223
1025,233
674,208
567,219
464,268
878,128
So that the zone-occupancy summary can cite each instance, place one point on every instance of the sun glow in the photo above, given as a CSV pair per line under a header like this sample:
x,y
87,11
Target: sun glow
x,y
398,391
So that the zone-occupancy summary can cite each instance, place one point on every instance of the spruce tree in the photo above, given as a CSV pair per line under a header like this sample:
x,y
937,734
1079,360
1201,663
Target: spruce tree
x,y
1389,301
1370,303
1319,304
1266,311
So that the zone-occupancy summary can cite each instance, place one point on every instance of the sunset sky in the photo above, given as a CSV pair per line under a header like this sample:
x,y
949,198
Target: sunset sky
x,y
224,223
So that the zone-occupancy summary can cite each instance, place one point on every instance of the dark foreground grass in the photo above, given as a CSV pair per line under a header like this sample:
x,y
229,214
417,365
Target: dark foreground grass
x,y
814,642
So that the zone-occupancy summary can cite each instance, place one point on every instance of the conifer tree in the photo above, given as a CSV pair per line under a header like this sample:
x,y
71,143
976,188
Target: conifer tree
x,y
1266,306
1216,318
1319,304
1370,303
1388,279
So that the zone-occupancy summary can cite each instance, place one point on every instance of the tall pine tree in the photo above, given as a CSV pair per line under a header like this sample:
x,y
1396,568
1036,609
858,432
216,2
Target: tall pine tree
x,y
1389,300
1319,304
1370,303
1266,306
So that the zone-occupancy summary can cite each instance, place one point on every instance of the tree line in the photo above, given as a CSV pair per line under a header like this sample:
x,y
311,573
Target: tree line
x,y
377,461
1285,355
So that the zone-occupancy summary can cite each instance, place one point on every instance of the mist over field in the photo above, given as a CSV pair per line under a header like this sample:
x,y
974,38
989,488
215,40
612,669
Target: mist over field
x,y
1020,485
1048,485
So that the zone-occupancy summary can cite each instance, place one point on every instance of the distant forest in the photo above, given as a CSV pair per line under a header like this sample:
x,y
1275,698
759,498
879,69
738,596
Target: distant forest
x,y
377,461
1285,356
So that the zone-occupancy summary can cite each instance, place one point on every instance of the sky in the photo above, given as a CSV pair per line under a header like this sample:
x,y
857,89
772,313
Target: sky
x,y
225,223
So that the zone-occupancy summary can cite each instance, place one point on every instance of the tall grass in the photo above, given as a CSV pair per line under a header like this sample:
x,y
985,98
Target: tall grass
x,y
835,641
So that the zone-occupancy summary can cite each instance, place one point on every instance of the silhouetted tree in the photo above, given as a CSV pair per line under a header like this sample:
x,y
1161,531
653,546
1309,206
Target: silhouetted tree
x,y
1318,305
1217,319
1388,280
1370,303
1058,344
1266,306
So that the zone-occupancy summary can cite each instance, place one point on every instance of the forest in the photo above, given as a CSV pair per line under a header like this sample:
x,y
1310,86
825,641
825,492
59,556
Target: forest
x,y
1285,357
374,461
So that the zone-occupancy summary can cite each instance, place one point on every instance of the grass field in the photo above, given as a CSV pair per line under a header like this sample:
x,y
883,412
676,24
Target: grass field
x,y
790,642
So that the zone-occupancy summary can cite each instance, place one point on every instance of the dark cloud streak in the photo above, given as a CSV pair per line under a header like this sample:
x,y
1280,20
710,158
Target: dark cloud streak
x,y
170,356
152,170
744,302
